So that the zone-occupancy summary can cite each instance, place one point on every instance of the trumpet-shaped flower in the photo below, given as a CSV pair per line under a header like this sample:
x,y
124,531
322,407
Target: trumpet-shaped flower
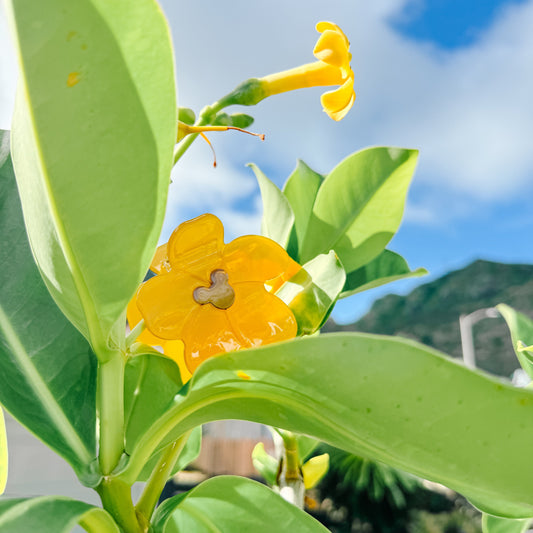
x,y
212,295
332,68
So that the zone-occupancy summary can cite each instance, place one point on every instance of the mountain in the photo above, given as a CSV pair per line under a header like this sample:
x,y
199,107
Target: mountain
x,y
430,313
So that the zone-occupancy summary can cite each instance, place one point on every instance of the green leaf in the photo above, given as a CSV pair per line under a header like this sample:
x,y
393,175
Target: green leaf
x,y
150,384
47,369
190,452
521,328
313,291
278,218
265,464
301,189
386,267
359,206
3,453
385,398
493,524
229,504
93,136
53,514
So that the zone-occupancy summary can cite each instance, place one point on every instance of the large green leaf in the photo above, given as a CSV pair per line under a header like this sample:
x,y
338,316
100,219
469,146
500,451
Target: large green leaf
x,y
301,189
521,328
385,398
93,135
359,206
47,369
53,514
3,453
229,504
278,218
493,524
386,267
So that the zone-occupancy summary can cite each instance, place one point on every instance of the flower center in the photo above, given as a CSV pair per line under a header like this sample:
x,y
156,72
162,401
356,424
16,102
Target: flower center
x,y
219,293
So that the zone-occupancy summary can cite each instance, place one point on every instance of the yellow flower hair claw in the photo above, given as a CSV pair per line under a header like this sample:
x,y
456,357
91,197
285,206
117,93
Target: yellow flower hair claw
x,y
213,296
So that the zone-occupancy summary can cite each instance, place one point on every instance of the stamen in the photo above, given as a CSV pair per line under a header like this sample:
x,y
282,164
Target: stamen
x,y
220,293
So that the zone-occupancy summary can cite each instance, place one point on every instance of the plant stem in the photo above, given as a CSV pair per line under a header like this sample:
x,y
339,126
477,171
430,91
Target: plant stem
x,y
116,500
110,397
291,481
154,486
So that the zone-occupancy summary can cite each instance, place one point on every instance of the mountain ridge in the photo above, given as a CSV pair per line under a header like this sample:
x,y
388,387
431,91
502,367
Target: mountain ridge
x,y
430,312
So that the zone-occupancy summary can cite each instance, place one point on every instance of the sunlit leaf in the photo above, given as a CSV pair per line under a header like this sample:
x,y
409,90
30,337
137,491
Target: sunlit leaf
x,y
94,130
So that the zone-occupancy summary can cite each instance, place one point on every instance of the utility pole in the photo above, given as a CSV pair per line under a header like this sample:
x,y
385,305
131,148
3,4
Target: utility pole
x,y
466,323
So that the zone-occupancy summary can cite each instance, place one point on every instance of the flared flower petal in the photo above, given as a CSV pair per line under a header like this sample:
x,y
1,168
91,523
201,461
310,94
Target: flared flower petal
x,y
160,263
337,103
331,48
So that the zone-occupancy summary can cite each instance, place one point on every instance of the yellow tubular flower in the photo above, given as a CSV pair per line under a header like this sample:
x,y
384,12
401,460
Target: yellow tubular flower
x,y
212,296
332,68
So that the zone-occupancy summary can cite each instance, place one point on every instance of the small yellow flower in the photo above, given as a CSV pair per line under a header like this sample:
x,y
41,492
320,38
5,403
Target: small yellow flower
x,y
213,296
332,68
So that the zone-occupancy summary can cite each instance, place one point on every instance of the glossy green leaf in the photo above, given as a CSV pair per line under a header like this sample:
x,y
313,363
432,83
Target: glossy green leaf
x,y
53,514
313,291
93,137
3,453
278,218
493,524
360,205
228,504
386,398
150,384
47,369
265,464
521,328
301,189
386,267
190,452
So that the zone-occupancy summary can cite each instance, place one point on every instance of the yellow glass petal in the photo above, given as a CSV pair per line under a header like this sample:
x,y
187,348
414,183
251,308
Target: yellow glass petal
x,y
196,246
338,102
275,284
175,350
206,333
331,48
259,317
160,263
134,317
315,469
254,258
324,25
165,302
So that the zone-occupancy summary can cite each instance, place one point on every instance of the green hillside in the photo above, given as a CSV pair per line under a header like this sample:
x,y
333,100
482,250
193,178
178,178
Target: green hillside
x,y
430,313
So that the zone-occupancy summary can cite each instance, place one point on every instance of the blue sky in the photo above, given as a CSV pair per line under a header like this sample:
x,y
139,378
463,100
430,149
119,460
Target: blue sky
x,y
451,78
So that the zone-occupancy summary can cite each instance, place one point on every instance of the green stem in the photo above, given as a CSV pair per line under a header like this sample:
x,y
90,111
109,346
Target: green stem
x,y
110,397
160,475
291,482
116,500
